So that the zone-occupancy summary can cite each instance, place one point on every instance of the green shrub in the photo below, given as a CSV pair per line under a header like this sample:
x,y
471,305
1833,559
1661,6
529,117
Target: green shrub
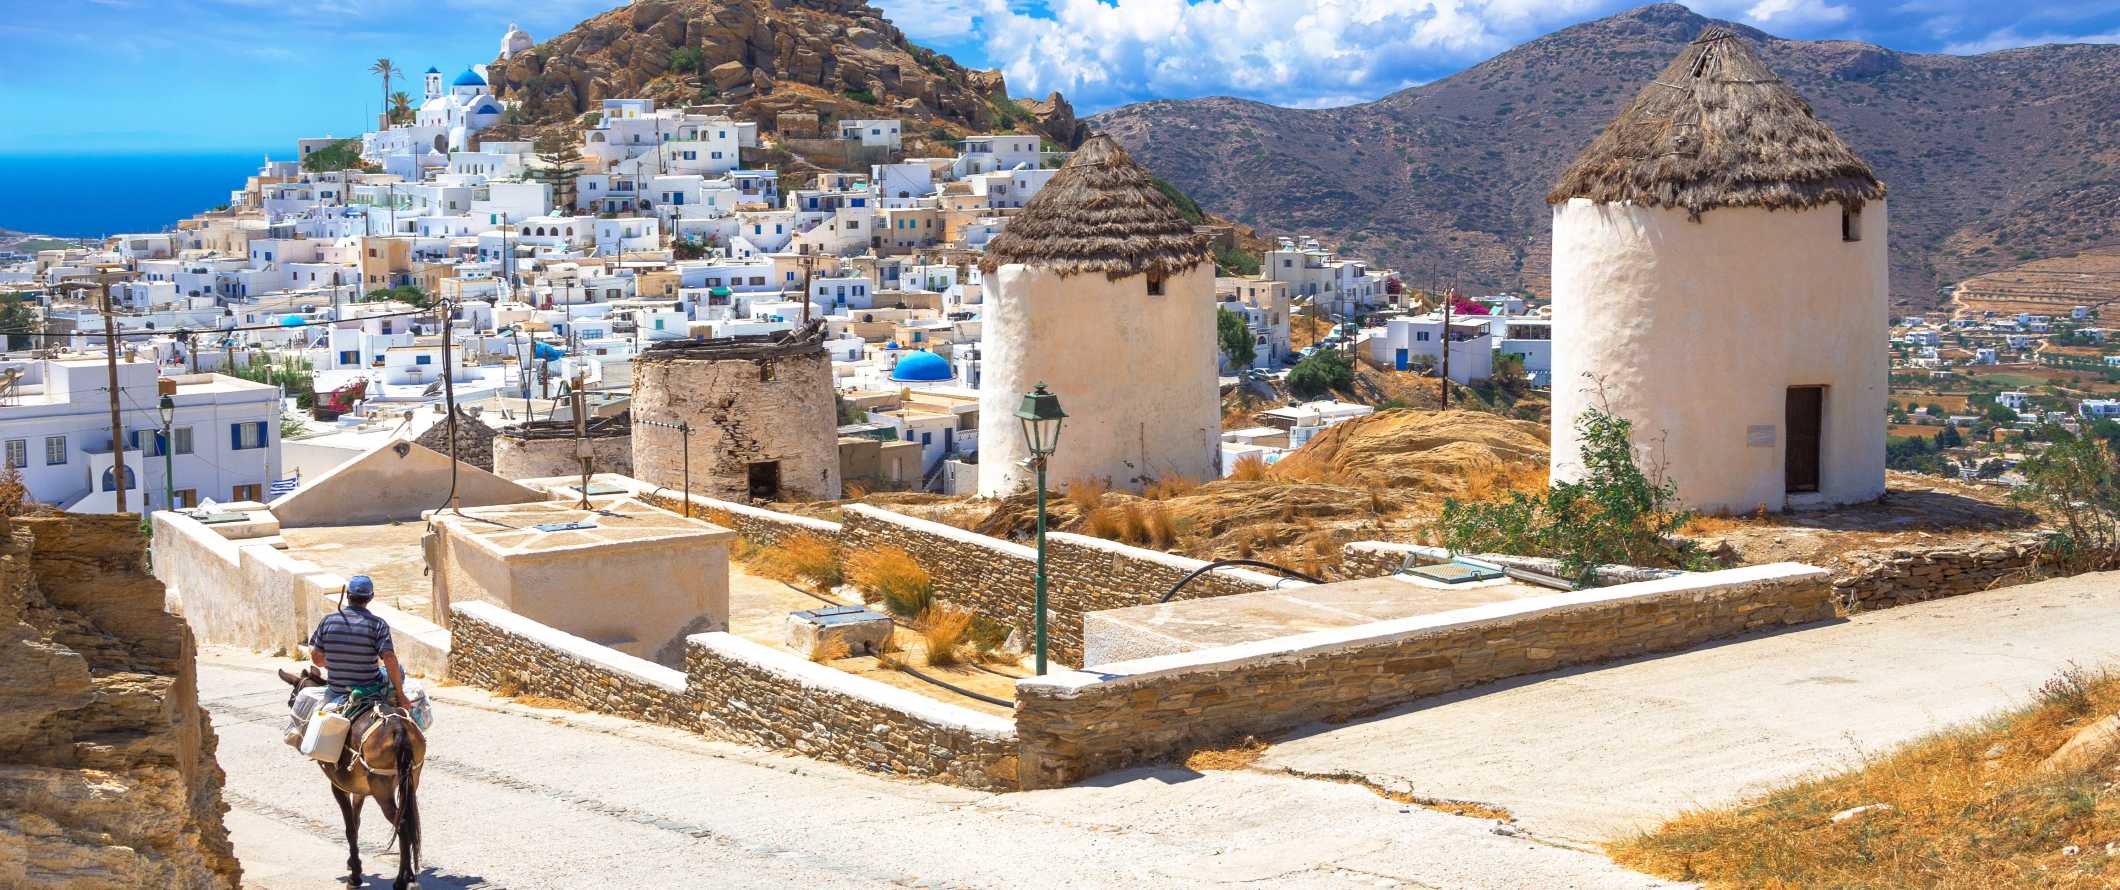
x,y
1321,373
1236,261
1235,338
2075,483
1617,513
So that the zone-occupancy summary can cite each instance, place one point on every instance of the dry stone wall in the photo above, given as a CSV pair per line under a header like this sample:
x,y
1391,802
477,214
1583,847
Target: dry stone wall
x,y
743,691
766,697
498,649
760,527
1077,724
1876,579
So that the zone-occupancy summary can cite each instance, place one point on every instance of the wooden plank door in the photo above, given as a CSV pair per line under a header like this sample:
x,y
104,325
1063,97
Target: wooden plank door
x,y
1805,423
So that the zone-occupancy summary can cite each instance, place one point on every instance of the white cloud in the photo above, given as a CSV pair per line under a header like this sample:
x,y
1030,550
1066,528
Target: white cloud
x,y
1796,12
1310,53
2008,38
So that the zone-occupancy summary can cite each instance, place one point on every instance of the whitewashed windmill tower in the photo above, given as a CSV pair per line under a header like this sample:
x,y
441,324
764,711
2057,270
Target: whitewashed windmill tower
x,y
1719,279
1101,290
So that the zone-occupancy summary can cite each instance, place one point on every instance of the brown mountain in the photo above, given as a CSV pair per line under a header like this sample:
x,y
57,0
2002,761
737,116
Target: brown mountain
x,y
838,58
1989,159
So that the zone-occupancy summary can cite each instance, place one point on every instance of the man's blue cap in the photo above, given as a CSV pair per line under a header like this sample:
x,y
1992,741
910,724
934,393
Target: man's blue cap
x,y
359,587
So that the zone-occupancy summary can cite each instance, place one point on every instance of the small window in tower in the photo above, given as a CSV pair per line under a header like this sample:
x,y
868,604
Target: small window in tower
x,y
1850,224
1155,285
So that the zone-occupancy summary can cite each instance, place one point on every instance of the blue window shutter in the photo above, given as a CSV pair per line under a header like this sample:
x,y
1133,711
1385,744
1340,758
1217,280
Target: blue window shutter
x,y
235,436
263,433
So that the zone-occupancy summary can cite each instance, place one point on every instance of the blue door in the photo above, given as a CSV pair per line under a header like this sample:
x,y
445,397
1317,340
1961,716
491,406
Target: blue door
x,y
1400,363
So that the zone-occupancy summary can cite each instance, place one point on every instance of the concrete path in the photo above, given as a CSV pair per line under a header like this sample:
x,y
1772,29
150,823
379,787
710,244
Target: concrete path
x,y
1600,752
521,797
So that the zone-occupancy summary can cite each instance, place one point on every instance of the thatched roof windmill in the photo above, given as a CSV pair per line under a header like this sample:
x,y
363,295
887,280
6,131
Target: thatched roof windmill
x,y
1718,128
1099,213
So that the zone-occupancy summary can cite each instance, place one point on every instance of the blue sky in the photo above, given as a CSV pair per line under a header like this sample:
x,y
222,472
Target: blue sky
x,y
163,75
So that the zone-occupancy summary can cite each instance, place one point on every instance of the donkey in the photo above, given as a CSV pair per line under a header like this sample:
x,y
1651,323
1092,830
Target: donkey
x,y
382,759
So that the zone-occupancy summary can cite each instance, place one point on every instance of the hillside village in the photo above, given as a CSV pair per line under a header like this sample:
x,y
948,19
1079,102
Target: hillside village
x,y
777,425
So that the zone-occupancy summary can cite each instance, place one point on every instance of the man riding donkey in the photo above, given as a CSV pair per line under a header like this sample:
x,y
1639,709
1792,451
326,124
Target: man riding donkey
x,y
384,747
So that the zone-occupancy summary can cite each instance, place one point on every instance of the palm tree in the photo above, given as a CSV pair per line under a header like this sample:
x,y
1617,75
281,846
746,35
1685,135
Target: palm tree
x,y
400,107
387,71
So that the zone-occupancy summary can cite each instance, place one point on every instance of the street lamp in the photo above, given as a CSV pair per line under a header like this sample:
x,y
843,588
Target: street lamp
x,y
168,407
1041,417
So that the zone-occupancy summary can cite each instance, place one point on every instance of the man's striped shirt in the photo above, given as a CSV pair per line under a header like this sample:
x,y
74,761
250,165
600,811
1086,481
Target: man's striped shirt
x,y
353,640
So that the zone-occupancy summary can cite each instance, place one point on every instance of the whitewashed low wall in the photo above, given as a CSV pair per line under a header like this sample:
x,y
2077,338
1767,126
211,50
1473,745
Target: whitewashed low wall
x,y
247,594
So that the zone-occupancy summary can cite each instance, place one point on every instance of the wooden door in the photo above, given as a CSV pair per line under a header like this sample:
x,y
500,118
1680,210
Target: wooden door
x,y
1805,423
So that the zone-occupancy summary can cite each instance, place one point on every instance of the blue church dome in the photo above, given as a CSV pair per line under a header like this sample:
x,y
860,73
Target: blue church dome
x,y
433,70
922,367
469,78
292,321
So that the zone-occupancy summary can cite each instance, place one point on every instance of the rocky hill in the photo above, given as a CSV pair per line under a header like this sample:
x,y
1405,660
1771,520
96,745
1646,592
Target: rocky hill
x,y
837,58
107,769
1990,159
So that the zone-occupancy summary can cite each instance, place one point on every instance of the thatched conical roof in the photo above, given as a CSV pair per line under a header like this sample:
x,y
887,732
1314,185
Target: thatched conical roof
x,y
1099,213
1718,128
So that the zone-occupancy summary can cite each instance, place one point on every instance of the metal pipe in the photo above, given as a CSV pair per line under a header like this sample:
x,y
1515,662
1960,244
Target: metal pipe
x,y
1174,588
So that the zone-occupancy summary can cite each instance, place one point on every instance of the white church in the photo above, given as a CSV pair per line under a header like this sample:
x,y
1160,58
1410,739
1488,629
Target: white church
x,y
1719,280
448,116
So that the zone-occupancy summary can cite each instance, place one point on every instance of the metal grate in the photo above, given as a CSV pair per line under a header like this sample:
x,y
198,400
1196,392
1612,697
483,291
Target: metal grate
x,y
1455,573
835,615
563,526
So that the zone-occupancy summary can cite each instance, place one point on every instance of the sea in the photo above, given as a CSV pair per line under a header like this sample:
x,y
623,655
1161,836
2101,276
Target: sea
x,y
89,195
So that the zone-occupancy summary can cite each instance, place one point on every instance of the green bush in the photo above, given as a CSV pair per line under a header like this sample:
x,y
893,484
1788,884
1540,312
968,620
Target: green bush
x,y
1617,513
861,95
344,154
1321,373
1235,338
2075,483
1236,261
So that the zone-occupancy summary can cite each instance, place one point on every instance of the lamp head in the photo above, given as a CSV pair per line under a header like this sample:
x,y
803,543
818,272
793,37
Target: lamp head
x,y
1041,417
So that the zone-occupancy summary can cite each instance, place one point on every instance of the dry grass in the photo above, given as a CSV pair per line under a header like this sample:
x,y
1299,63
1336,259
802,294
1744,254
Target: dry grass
x,y
1488,484
1173,487
1087,494
717,516
1158,529
1249,468
892,575
828,650
1102,522
1968,808
1234,757
942,632
1724,523
800,559
852,490
514,692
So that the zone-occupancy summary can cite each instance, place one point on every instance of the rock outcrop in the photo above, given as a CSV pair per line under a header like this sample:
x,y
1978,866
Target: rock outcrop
x,y
107,769
836,58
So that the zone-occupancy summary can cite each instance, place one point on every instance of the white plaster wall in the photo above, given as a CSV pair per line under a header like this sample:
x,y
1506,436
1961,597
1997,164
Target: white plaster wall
x,y
1697,329
1135,374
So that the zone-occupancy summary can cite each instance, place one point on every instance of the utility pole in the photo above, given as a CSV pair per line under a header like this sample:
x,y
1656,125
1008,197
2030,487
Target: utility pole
x,y
117,425
580,404
809,268
1444,381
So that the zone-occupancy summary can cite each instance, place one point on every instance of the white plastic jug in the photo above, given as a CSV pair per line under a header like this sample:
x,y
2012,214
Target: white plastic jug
x,y
422,707
326,735
306,703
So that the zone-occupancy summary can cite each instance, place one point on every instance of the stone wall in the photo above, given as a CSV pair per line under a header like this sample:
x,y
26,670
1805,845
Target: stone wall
x,y
517,457
759,526
1076,724
1876,579
498,649
764,696
474,440
1375,559
107,771
995,579
743,691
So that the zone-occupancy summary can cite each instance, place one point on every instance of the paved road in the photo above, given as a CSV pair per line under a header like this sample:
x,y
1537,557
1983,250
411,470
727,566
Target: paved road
x,y
1601,752
519,797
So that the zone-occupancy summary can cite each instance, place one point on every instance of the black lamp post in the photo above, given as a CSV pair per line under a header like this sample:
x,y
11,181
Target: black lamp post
x,y
1041,417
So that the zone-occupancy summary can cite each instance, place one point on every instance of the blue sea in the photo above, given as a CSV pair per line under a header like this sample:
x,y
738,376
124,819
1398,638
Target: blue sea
x,y
106,194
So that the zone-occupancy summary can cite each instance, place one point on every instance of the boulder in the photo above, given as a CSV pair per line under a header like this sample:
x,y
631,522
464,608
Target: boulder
x,y
864,38
2089,745
729,75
